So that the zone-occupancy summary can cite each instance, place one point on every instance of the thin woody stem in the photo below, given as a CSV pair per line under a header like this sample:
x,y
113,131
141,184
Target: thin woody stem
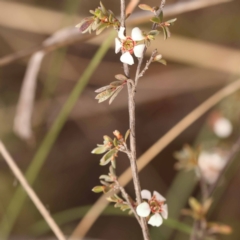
x,y
125,195
140,60
131,107
154,53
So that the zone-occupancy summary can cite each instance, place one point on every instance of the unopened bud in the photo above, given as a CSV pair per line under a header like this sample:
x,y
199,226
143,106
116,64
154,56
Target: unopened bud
x,y
117,134
98,189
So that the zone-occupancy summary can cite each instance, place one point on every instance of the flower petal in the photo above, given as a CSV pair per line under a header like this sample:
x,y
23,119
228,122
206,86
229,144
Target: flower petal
x,y
155,220
121,33
127,58
164,211
222,128
146,194
118,45
143,209
159,196
137,34
138,50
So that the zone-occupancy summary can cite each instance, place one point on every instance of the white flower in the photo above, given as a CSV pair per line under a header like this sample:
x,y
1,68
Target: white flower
x,y
155,205
222,127
211,165
129,45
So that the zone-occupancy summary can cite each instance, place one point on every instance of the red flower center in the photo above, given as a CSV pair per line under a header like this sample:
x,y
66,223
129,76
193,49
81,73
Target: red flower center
x,y
155,205
128,45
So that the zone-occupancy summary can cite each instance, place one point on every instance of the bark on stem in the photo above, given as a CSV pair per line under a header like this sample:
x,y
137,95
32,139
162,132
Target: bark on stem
x,y
133,163
131,107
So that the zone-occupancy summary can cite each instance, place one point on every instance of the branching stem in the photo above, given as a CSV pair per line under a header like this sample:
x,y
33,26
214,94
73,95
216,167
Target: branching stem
x,y
131,107
125,195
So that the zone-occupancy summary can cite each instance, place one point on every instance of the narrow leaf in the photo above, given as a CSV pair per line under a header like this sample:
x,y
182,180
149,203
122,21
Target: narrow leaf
x,y
168,32
145,7
98,189
163,61
103,89
105,178
172,20
155,20
115,142
107,138
105,95
99,150
153,32
164,33
112,171
116,83
127,134
113,162
115,94
107,157
121,77
161,16
104,10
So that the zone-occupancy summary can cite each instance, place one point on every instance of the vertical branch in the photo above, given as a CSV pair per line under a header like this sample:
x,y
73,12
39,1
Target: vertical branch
x,y
131,107
154,26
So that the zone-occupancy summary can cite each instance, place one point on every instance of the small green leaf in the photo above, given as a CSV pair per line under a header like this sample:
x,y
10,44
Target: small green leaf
x,y
105,178
145,7
98,189
116,83
153,32
121,77
166,32
162,61
107,138
107,157
118,90
103,96
171,21
113,162
112,199
103,89
161,16
112,171
127,134
115,142
104,10
155,20
99,150
104,162
124,207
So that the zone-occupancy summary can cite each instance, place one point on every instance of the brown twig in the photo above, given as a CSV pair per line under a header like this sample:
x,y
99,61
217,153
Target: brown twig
x,y
155,149
136,18
125,195
148,64
131,108
20,177
140,60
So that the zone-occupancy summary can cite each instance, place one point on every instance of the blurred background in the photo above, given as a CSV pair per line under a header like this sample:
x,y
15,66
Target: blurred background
x,y
203,55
